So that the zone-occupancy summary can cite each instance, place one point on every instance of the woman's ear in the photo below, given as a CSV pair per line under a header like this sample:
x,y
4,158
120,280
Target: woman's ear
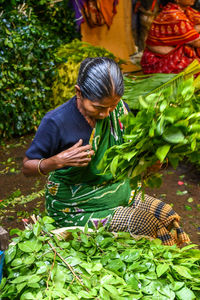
x,y
78,91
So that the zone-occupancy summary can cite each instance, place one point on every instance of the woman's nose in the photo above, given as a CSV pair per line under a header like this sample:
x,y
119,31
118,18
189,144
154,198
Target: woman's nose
x,y
105,113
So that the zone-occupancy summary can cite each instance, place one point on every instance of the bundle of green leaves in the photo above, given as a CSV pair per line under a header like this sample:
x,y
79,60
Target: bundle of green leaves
x,y
70,56
27,64
97,265
166,127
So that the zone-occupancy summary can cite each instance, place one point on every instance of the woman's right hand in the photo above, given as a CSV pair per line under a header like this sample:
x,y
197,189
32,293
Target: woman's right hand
x,y
76,156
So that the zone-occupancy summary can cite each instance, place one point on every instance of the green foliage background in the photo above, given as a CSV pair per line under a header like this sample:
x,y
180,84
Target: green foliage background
x,y
29,34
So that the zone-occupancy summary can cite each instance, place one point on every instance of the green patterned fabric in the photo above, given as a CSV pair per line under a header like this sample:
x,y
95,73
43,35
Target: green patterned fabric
x,y
76,196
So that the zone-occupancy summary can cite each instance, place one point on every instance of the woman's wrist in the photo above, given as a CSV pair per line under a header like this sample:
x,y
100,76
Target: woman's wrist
x,y
39,167
48,165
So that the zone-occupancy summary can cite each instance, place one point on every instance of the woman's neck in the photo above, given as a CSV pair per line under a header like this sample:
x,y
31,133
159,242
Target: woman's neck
x,y
91,121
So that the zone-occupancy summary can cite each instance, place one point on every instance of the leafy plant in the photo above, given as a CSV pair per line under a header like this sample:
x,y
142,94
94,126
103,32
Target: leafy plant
x,y
57,16
27,63
71,55
96,265
166,128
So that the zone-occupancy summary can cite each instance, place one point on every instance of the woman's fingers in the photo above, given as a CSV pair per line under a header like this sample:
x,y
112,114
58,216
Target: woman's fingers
x,y
80,163
77,155
77,147
78,144
85,151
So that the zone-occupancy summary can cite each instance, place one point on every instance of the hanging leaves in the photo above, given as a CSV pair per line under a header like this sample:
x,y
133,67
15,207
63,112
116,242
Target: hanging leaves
x,y
165,128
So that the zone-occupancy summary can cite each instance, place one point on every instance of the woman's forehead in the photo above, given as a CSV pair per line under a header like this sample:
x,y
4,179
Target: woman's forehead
x,y
107,101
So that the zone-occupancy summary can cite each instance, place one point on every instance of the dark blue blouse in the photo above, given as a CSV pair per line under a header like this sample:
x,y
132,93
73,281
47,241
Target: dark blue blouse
x,y
59,130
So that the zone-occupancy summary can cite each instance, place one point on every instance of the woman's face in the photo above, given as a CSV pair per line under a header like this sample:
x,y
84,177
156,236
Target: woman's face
x,y
185,3
99,110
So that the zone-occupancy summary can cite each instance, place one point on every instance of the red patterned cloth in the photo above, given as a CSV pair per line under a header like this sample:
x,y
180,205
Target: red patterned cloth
x,y
172,27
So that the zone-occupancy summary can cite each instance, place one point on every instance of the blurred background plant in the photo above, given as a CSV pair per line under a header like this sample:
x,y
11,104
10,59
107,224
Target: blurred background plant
x,y
29,34
70,56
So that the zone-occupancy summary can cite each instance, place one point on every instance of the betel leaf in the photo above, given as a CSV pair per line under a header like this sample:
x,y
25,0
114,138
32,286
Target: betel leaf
x,y
97,267
173,135
161,269
15,231
28,296
132,281
16,262
20,286
36,229
143,102
30,246
163,105
84,295
174,160
48,220
33,285
116,265
183,271
112,290
104,294
29,260
160,126
20,279
166,291
187,89
130,255
185,294
10,253
42,269
2,284
113,165
162,151
151,288
177,285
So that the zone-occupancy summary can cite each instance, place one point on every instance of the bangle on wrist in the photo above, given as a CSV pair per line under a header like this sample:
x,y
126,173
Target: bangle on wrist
x,y
38,167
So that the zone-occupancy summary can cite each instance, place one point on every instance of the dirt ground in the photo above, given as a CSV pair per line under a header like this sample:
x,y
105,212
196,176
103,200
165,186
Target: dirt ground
x,y
20,197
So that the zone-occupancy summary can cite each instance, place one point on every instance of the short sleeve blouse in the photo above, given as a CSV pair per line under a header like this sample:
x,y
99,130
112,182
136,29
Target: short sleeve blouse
x,y
59,130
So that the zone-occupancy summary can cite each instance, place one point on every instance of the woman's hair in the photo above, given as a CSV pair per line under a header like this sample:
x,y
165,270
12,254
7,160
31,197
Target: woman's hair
x,y
100,77
165,2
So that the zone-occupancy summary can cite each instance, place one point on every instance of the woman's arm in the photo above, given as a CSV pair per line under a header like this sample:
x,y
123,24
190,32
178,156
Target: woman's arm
x,y
76,156
195,43
160,49
197,27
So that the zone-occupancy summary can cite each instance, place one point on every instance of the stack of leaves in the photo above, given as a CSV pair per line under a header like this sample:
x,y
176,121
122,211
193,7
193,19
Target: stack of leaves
x,y
71,55
97,265
166,128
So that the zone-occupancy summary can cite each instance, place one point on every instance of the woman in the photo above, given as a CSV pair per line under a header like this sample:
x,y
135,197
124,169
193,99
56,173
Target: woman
x,y
173,41
69,144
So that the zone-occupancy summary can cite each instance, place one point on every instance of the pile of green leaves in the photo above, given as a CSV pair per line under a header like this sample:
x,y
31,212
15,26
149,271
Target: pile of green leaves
x,y
27,44
70,56
166,128
97,265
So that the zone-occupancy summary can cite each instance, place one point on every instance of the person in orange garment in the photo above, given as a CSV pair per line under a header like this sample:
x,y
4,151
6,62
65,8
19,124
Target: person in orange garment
x,y
173,41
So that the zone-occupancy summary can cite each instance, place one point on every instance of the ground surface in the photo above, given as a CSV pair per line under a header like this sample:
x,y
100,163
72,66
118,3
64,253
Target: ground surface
x,y
20,197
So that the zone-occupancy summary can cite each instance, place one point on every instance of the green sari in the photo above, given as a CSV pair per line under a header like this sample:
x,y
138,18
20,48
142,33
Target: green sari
x,y
79,195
